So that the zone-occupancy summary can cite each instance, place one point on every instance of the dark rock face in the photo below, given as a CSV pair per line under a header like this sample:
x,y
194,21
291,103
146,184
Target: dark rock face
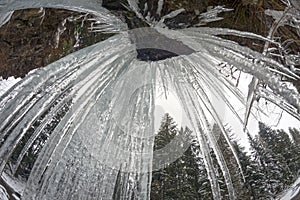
x,y
153,46
29,39
34,38
154,54
113,4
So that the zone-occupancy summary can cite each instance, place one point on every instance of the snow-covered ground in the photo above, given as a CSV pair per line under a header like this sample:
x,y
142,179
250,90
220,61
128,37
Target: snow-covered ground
x,y
5,84
292,192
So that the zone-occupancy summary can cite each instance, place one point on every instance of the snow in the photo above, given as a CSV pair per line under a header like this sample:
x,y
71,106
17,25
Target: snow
x,y
5,84
292,192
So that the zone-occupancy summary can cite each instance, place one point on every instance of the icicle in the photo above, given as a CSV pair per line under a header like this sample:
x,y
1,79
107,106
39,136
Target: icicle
x,y
262,74
5,17
135,8
83,85
38,131
239,54
250,99
254,83
210,108
160,4
168,16
56,156
194,119
92,7
212,15
217,152
277,100
224,31
111,95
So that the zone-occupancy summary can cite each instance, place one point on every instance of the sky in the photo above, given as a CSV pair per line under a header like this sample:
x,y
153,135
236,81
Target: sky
x,y
275,117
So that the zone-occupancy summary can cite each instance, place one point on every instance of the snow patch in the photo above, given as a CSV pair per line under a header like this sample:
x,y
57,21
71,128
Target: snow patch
x,y
5,84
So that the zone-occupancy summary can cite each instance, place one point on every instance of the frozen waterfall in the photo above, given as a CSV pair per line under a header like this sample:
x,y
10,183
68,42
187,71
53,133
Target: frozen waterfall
x,y
95,107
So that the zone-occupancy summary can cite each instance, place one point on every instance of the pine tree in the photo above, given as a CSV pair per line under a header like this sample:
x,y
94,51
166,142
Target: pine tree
x,y
166,133
276,156
253,183
162,179
256,179
295,152
242,190
204,191
180,179
271,167
295,135
281,148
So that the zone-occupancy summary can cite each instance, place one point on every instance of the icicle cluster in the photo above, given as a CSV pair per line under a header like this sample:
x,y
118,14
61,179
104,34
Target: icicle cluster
x,y
99,105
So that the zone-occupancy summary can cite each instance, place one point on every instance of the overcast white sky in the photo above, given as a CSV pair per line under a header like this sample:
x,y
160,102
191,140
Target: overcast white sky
x,y
173,107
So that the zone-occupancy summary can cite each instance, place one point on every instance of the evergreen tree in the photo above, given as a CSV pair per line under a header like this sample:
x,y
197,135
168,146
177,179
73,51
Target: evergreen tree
x,y
295,152
296,136
180,179
204,191
257,182
272,166
277,157
277,170
235,173
288,154
166,133
252,185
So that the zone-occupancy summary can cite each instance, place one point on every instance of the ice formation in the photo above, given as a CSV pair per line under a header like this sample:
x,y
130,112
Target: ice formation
x,y
95,106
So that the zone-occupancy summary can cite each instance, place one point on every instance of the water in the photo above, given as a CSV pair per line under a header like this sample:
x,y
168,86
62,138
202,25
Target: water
x,y
92,111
